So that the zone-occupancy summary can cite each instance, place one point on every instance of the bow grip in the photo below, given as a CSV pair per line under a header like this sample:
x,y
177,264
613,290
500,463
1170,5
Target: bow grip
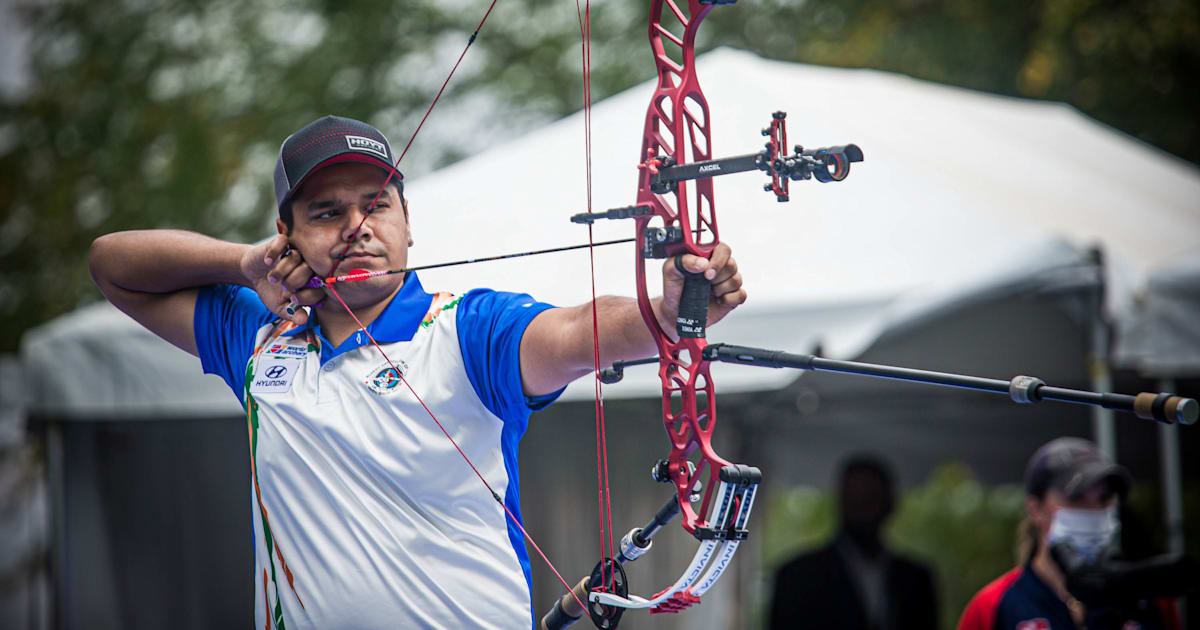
x,y
693,304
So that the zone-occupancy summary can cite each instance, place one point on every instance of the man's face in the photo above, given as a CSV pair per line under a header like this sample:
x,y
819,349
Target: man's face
x,y
866,501
326,213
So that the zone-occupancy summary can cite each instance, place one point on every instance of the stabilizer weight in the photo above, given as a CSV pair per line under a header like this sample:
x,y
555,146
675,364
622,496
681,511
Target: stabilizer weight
x,y
1166,408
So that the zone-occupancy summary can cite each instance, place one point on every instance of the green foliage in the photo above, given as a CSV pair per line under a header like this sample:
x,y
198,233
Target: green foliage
x,y
965,530
962,530
1126,63
146,114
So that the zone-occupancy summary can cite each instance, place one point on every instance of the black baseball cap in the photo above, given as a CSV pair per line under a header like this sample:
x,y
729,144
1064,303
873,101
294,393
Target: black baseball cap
x,y
1071,465
325,141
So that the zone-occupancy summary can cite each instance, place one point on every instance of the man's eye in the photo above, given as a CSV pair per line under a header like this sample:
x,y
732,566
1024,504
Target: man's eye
x,y
326,214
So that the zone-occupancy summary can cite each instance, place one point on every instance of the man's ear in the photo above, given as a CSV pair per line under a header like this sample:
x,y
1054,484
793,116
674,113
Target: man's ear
x,y
407,220
280,226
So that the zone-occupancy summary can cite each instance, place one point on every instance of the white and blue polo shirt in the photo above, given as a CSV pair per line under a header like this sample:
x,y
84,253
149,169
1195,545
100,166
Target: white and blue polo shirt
x,y
364,514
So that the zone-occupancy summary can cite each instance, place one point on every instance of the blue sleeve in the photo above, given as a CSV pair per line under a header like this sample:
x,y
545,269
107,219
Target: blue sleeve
x,y
226,320
490,326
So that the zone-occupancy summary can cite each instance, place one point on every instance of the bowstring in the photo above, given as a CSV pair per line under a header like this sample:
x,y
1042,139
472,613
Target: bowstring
x,y
603,495
392,171
350,242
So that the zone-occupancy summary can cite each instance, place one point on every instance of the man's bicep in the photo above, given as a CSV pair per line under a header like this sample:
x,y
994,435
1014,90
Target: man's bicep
x,y
552,351
168,315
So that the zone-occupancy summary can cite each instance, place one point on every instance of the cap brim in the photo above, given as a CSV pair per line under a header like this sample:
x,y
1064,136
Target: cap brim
x,y
1115,476
349,156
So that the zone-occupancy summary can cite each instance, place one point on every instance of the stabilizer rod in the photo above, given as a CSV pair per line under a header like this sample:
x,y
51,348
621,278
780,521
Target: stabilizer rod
x,y
566,610
1165,408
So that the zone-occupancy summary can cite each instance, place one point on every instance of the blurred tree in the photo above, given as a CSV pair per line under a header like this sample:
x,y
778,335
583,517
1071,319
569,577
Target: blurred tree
x,y
1126,63
153,114
144,114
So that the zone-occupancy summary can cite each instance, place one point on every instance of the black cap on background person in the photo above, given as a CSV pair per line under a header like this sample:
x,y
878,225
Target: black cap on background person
x,y
1071,465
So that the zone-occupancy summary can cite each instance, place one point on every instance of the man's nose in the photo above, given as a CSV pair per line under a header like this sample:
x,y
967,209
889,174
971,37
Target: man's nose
x,y
357,225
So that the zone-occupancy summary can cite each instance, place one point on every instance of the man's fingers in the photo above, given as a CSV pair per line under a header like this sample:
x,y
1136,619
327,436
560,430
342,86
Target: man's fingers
x,y
728,285
275,249
295,313
291,308
722,256
727,270
297,273
714,266
288,261
690,262
309,297
732,298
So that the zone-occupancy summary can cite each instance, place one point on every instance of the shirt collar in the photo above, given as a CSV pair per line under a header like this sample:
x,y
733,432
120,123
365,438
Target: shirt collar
x,y
399,320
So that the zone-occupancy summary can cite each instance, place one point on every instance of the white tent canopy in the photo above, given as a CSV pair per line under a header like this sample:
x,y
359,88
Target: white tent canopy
x,y
958,190
1160,337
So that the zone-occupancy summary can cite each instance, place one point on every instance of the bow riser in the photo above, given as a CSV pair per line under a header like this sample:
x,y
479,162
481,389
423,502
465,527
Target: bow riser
x,y
677,127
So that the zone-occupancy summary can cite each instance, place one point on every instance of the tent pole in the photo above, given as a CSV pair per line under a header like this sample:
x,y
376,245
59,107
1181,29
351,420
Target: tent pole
x,y
1103,420
56,489
1172,484
1168,446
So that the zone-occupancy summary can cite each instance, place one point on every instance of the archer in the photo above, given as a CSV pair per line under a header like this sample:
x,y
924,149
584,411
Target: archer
x,y
364,516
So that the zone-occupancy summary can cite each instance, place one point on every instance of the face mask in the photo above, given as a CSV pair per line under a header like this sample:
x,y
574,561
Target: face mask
x,y
1087,532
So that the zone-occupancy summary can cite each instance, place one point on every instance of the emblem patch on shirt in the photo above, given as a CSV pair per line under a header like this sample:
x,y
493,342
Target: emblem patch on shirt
x,y
285,350
1034,624
384,379
274,374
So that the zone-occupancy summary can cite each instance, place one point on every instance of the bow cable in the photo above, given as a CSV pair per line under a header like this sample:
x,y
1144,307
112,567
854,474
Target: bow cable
x,y
603,495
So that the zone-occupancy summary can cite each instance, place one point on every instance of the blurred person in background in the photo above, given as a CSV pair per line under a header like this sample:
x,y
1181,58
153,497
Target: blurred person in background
x,y
365,515
1069,536
855,582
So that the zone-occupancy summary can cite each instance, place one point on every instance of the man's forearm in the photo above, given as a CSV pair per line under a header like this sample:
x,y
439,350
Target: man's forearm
x,y
164,261
623,332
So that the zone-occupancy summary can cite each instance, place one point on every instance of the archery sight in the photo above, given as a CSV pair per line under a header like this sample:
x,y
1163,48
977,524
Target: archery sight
x,y
827,164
